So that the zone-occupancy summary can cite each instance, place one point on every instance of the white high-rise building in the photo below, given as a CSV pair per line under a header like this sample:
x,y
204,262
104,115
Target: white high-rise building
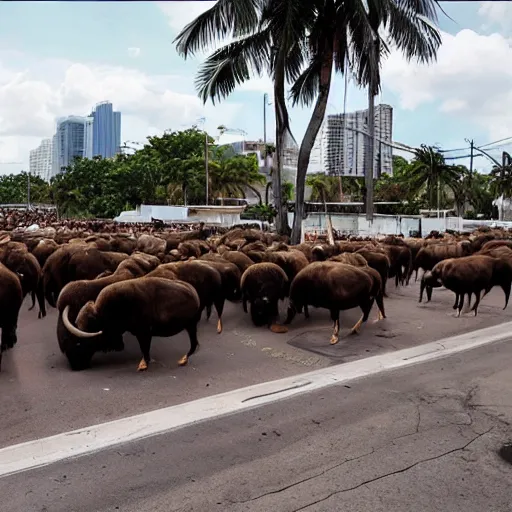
x,y
41,160
342,142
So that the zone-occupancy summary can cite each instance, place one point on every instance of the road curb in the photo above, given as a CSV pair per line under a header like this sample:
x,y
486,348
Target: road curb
x,y
88,440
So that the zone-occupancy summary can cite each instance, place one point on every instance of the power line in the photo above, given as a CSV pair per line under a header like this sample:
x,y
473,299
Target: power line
x,y
481,146
452,150
459,157
495,142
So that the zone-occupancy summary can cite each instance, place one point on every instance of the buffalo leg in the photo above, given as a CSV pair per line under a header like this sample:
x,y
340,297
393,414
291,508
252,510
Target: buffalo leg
x,y
477,302
145,348
33,295
457,298
194,343
273,319
335,317
366,307
355,329
219,307
462,296
380,304
208,311
41,299
306,311
429,293
469,301
292,311
244,303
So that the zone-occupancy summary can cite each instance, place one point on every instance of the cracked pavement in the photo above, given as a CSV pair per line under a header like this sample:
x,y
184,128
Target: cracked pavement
x,y
424,438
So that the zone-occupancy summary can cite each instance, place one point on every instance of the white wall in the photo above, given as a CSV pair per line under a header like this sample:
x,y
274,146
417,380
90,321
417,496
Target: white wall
x,y
145,212
358,225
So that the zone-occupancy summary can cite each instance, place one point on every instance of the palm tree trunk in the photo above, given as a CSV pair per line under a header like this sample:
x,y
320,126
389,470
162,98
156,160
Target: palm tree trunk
x,y
371,153
308,142
282,127
267,190
256,191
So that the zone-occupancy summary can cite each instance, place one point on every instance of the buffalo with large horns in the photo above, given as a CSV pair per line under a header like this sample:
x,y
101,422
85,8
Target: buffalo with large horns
x,y
144,307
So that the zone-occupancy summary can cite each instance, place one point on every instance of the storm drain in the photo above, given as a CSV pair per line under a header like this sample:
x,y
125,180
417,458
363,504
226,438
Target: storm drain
x,y
505,452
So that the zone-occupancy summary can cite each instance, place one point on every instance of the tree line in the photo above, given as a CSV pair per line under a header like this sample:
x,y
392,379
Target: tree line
x,y
426,182
170,169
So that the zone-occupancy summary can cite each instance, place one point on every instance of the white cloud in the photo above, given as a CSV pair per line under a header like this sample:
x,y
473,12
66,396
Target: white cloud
x,y
471,79
179,15
497,13
133,52
31,98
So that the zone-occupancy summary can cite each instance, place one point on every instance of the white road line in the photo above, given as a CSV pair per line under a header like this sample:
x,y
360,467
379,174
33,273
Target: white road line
x,y
48,450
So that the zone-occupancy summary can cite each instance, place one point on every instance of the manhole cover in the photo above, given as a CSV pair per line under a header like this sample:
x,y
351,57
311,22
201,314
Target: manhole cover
x,y
505,452
388,335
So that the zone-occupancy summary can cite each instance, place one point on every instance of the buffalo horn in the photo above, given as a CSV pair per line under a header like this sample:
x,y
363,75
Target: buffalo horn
x,y
74,330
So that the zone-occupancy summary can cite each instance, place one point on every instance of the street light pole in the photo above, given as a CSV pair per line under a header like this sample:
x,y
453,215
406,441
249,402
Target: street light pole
x,y
206,162
28,190
265,100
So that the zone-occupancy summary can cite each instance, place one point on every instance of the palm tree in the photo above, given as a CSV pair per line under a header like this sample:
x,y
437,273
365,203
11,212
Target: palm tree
x,y
348,37
473,188
430,173
323,188
230,177
501,183
302,41
269,36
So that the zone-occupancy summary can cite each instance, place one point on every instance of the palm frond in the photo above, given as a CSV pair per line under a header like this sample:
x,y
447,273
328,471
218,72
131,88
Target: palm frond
x,y
413,34
233,65
227,18
306,86
426,8
296,59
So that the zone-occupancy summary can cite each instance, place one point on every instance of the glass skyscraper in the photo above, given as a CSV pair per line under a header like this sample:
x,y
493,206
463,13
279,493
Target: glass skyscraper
x,y
72,139
106,138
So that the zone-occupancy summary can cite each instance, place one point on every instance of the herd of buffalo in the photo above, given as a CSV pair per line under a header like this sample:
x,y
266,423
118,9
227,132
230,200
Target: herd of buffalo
x,y
104,284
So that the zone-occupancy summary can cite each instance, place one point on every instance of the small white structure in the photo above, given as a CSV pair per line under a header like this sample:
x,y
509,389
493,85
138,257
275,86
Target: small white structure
x,y
224,215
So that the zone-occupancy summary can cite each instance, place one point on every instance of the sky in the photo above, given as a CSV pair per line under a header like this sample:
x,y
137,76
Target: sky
x,y
59,59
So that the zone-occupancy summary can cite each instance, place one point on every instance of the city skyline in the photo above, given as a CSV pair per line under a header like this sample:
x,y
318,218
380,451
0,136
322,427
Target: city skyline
x,y
137,68
98,134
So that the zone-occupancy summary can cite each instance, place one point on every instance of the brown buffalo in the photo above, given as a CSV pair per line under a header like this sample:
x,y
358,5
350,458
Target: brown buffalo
x,y
144,307
206,281
44,249
76,293
263,285
473,275
336,287
230,275
428,256
73,262
378,261
10,304
241,260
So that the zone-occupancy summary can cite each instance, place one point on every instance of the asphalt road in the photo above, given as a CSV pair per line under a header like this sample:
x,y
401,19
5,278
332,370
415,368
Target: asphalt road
x,y
42,396
423,438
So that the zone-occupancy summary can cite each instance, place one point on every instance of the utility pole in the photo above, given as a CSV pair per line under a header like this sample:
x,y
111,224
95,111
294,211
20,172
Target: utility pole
x,y
472,144
206,162
28,190
265,100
